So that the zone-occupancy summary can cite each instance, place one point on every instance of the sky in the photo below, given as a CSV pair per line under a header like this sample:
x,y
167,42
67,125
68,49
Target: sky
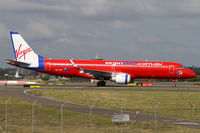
x,y
154,30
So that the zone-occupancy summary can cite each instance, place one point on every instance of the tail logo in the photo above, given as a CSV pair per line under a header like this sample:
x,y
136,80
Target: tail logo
x,y
22,53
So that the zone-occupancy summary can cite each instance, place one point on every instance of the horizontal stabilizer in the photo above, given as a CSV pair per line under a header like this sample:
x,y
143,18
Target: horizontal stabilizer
x,y
17,63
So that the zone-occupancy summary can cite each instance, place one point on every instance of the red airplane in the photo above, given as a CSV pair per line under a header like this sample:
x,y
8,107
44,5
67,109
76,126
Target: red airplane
x,y
122,72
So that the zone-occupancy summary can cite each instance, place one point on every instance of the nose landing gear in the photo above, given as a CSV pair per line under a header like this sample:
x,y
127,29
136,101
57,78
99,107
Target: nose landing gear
x,y
174,82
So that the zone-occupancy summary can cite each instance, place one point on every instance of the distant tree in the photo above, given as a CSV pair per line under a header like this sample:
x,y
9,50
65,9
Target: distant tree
x,y
46,78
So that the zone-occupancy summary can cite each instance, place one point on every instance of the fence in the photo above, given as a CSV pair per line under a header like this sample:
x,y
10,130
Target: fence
x,y
20,117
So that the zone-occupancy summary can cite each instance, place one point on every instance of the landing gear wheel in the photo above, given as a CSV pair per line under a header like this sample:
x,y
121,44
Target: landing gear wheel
x,y
174,85
101,83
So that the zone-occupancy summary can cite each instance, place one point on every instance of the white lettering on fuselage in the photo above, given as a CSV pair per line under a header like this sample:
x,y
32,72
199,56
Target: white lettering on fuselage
x,y
114,63
149,64
133,63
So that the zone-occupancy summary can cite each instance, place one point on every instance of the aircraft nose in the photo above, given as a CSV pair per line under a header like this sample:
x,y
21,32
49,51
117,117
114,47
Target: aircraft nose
x,y
194,75
191,74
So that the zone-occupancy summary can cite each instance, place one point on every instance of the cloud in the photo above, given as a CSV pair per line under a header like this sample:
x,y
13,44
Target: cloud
x,y
92,8
186,24
149,40
114,28
96,34
67,41
191,23
38,30
3,30
45,28
113,9
34,6
122,25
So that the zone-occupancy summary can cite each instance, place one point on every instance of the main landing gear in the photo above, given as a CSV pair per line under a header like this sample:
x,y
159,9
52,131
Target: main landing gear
x,y
101,83
174,82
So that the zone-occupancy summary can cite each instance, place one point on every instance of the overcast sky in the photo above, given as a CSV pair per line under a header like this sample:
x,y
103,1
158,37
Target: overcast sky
x,y
160,30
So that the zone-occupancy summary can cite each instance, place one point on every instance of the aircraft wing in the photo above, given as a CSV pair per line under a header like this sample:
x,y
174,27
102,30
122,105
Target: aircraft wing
x,y
17,63
97,74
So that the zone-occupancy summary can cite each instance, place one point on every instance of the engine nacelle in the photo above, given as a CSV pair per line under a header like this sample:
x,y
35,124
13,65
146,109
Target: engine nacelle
x,y
121,78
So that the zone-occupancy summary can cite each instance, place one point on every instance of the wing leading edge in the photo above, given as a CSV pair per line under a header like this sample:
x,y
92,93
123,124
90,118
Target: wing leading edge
x,y
95,73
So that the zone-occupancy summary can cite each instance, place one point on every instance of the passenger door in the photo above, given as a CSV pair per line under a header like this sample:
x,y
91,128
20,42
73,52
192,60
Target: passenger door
x,y
171,69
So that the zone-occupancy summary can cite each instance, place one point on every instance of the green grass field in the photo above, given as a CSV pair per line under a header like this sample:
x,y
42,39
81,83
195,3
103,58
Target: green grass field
x,y
172,104
47,120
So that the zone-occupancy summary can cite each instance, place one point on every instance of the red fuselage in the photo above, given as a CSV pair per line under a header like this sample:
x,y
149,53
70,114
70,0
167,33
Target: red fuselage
x,y
136,69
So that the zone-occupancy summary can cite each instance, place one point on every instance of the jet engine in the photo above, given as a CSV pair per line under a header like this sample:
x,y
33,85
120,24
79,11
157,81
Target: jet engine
x,y
121,78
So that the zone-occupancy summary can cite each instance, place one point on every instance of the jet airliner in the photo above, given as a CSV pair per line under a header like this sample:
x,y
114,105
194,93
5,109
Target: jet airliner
x,y
122,72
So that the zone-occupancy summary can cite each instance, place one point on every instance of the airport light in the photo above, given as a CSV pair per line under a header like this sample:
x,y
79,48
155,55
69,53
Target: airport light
x,y
33,114
6,114
192,106
155,107
61,120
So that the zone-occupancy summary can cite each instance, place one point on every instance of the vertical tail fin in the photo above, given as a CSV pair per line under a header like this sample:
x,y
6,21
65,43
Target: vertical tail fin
x,y
23,52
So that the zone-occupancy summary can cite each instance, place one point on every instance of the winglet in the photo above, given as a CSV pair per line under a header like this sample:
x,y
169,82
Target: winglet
x,y
73,64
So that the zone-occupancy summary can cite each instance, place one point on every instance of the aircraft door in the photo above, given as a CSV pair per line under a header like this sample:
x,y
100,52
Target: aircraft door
x,y
48,66
171,69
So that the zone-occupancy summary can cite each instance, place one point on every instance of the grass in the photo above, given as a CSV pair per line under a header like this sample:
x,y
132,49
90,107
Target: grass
x,y
48,120
172,104
157,87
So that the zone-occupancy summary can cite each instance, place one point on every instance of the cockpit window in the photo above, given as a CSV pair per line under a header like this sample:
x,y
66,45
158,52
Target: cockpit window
x,y
181,67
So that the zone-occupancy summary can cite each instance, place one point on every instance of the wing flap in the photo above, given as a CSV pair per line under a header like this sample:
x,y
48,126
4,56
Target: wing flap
x,y
97,73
